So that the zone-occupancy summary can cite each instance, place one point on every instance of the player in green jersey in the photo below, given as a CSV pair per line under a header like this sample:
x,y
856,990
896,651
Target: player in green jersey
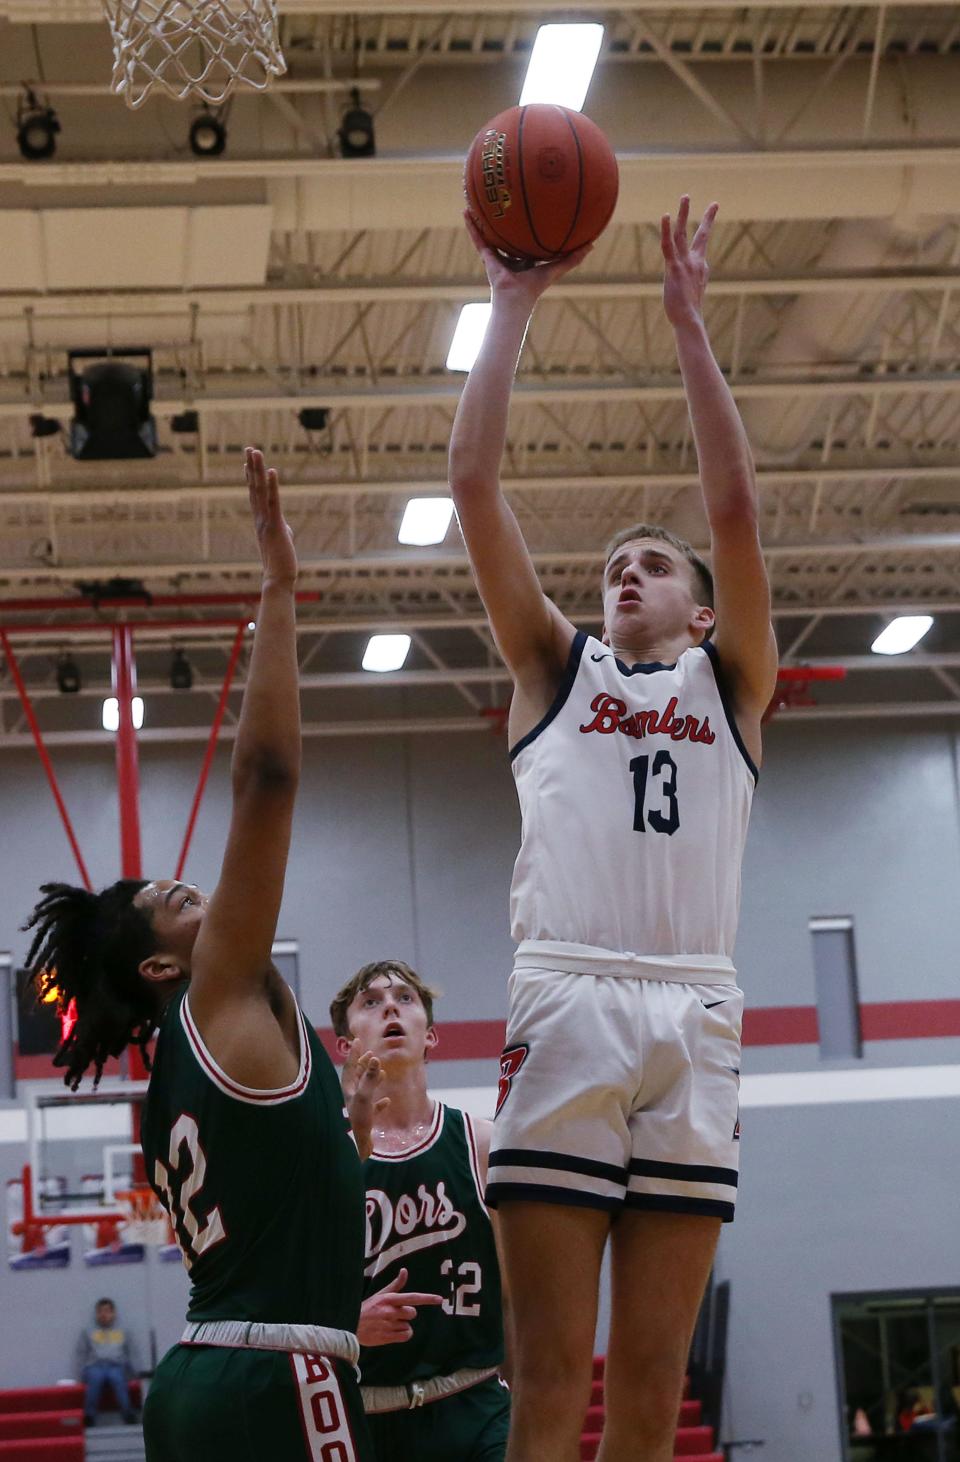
x,y
435,1393
243,1131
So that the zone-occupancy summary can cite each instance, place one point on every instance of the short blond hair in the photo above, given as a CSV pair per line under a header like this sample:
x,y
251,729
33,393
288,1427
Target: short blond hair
x,y
703,578
392,969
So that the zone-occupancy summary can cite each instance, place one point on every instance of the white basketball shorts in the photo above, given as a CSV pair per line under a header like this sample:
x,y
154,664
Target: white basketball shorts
x,y
619,1092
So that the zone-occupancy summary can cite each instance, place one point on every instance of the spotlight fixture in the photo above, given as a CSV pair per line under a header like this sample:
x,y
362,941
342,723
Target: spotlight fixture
x,y
181,672
356,130
44,426
208,135
185,421
37,128
313,418
68,675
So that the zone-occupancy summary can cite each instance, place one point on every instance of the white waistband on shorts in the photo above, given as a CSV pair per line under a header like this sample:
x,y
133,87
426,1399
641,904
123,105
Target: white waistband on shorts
x,y
587,959
256,1335
420,1393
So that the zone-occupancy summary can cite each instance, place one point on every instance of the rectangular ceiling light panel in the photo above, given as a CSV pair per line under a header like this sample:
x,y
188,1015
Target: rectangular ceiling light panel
x,y
385,652
561,64
901,634
110,714
468,337
425,520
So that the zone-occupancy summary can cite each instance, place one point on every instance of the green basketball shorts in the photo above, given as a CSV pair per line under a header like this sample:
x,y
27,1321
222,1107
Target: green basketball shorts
x,y
471,1426
226,1405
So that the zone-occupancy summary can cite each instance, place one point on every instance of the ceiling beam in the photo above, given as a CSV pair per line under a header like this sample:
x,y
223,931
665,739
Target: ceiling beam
x,y
68,304
158,635
767,477
448,725
432,171
76,11
527,393
410,562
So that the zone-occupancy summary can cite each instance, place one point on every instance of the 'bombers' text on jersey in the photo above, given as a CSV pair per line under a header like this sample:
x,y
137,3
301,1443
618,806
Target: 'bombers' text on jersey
x,y
635,792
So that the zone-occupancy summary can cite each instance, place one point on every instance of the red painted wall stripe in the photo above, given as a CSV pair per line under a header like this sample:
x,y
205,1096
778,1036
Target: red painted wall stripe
x,y
781,1025
771,1025
905,1020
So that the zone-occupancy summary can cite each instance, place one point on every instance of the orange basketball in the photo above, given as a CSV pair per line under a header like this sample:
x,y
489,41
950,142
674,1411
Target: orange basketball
x,y
540,181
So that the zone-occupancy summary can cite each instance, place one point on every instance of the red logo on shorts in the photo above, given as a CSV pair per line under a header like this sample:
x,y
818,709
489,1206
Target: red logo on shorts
x,y
510,1063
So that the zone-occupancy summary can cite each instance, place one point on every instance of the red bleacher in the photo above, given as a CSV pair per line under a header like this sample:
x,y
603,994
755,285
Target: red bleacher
x,y
42,1424
694,1441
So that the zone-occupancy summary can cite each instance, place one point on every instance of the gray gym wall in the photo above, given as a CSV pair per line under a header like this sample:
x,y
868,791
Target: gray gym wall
x,y
403,846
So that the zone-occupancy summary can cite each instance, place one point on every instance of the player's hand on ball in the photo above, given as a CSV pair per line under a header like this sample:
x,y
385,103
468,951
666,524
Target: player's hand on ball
x,y
274,538
513,277
387,1317
362,1075
686,270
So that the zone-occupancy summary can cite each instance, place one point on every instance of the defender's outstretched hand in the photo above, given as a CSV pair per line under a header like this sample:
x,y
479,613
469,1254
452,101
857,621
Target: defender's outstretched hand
x,y
362,1075
687,271
514,278
386,1317
274,538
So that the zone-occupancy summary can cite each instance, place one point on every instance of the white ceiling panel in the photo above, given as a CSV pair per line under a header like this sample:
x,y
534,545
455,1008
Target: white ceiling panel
x,y
113,248
21,250
227,246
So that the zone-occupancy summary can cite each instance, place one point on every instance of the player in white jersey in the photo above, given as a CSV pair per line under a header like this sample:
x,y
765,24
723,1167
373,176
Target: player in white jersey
x,y
635,758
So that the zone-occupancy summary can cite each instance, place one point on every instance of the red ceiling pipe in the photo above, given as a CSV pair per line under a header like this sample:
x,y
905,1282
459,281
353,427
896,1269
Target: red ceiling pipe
x,y
806,673
128,797
211,747
93,626
128,772
157,601
44,757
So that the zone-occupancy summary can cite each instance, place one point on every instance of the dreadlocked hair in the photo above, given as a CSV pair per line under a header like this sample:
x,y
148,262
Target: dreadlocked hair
x,y
89,947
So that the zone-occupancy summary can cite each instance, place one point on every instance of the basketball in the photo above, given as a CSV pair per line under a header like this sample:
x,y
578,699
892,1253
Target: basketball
x,y
540,181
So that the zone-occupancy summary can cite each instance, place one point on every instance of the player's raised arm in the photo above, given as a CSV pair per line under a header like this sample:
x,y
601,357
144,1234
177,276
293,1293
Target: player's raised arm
x,y
231,958
532,635
744,637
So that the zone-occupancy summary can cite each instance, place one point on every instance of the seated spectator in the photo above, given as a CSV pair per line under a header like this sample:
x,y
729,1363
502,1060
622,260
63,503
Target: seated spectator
x,y
907,1403
105,1360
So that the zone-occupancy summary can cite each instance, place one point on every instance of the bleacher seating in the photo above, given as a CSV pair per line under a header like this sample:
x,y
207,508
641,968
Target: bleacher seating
x,y
42,1424
694,1441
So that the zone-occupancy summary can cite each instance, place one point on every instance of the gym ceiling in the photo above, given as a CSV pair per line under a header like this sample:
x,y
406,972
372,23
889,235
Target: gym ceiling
x,y
305,301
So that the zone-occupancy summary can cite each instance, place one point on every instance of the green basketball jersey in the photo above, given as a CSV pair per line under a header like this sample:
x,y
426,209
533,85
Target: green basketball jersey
x,y
264,1188
426,1214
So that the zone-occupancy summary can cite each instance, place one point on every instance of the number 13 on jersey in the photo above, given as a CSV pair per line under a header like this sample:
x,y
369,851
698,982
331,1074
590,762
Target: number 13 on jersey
x,y
662,778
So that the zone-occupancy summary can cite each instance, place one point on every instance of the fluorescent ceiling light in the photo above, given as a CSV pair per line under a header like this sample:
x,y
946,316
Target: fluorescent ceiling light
x,y
385,652
426,520
111,713
468,337
902,634
561,64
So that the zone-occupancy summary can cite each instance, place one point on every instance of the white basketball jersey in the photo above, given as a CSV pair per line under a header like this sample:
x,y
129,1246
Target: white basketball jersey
x,y
635,792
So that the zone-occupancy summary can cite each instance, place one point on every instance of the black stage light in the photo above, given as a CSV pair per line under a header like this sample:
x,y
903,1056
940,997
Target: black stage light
x,y
44,426
68,675
313,418
181,672
37,128
208,135
356,131
185,421
111,403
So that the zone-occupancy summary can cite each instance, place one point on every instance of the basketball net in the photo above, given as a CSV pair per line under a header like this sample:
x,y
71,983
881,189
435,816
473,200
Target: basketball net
x,y
200,48
147,1221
